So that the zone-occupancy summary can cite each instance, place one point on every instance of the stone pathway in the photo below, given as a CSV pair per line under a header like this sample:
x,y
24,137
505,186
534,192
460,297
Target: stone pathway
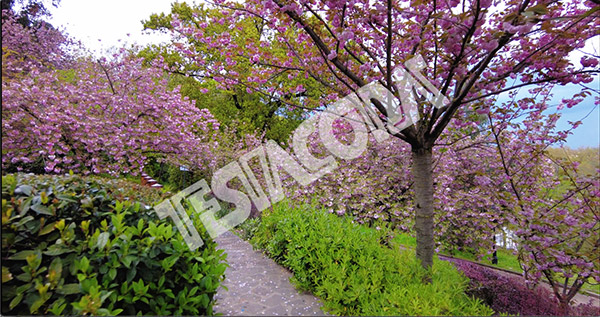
x,y
258,286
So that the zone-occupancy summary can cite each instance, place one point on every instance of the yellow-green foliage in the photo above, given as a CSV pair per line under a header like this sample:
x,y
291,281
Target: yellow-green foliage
x,y
588,158
358,270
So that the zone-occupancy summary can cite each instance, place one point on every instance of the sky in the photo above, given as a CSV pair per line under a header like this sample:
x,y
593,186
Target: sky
x,y
101,25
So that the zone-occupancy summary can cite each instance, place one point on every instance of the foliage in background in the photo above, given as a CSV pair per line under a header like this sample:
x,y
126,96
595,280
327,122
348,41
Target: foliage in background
x,y
70,248
247,229
553,210
240,107
358,270
587,159
30,10
228,147
373,187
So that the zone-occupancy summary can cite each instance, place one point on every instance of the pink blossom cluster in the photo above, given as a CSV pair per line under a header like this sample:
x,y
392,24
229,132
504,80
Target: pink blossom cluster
x,y
355,40
94,116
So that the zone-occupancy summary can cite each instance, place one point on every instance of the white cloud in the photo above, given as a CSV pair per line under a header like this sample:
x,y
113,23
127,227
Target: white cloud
x,y
101,25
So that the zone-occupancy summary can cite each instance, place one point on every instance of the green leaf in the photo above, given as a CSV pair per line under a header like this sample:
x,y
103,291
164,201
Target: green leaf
x,y
7,276
105,296
24,221
118,206
131,274
58,306
24,189
21,255
140,225
68,289
47,229
56,267
25,206
102,240
84,264
124,288
127,260
15,301
167,263
37,303
169,293
57,249
67,198
41,209
112,273
44,197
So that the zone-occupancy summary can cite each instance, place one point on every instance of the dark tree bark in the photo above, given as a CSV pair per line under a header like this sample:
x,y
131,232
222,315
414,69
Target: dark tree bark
x,y
423,187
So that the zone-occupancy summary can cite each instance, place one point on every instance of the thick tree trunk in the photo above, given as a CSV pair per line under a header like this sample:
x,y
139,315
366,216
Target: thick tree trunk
x,y
423,186
564,306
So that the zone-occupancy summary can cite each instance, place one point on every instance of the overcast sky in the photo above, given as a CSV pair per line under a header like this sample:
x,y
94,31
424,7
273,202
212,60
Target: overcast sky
x,y
101,25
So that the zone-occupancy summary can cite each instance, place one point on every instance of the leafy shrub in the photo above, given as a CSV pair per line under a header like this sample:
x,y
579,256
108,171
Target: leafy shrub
x,y
357,270
247,229
68,247
510,295
121,189
588,309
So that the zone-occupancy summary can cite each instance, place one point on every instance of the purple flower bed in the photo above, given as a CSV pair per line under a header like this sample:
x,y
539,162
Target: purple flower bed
x,y
510,295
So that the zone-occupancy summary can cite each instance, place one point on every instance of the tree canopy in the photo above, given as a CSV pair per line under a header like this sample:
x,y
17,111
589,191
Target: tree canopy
x,y
462,54
62,112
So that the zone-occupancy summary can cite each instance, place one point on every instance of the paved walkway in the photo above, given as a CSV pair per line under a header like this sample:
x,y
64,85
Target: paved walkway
x,y
257,285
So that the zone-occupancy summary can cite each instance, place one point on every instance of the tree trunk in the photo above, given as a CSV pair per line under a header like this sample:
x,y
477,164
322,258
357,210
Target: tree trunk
x,y
564,306
423,186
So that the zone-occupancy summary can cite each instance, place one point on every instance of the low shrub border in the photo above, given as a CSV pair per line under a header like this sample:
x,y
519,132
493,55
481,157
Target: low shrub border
x,y
70,248
510,295
358,270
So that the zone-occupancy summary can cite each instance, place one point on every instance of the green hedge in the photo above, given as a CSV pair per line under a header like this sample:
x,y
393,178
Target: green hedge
x,y
358,270
68,247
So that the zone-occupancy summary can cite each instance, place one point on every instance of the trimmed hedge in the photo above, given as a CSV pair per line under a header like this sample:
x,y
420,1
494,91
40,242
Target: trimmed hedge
x,y
68,247
358,270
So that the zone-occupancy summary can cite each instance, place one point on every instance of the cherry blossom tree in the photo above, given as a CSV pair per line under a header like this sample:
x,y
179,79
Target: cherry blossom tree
x,y
62,113
471,50
498,176
553,208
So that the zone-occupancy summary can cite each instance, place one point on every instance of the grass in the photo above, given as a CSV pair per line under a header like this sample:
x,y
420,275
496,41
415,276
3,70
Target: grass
x,y
506,259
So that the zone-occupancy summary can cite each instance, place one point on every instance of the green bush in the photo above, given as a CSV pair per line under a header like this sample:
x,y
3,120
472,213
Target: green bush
x,y
358,270
121,189
68,247
248,228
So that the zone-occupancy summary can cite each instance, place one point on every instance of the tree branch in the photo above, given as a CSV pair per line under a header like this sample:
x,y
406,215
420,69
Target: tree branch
x,y
110,83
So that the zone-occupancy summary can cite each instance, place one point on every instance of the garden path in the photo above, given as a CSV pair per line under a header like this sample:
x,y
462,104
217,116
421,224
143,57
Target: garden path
x,y
257,285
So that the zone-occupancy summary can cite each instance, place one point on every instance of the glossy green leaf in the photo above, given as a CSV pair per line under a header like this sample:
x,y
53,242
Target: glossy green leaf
x,y
21,255
41,209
